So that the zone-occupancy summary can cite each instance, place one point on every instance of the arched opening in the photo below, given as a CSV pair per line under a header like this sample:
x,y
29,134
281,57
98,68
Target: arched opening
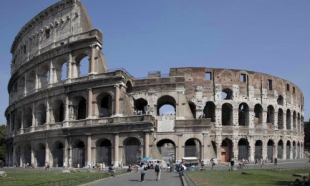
x,y
82,65
209,111
105,107
298,150
288,150
166,148
243,114
280,100
226,150
280,149
21,86
192,106
141,106
298,123
243,149
58,154
81,109
192,148
132,151
31,81
258,114
104,151
28,117
64,71
280,119
18,156
41,114
270,114
294,150
258,150
227,114
270,150
27,154
78,154
43,74
40,155
58,111
227,94
288,119
166,105
18,120
128,87
294,120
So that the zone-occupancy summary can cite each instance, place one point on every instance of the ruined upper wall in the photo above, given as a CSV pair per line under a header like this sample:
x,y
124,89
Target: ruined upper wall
x,y
50,28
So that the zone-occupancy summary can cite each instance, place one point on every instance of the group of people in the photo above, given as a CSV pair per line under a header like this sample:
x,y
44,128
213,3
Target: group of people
x,y
157,168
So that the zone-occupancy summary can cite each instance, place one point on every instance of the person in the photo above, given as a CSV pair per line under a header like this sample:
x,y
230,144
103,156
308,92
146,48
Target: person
x,y
112,170
129,169
202,165
143,171
232,164
47,166
177,166
182,168
261,163
275,161
157,169
212,163
168,167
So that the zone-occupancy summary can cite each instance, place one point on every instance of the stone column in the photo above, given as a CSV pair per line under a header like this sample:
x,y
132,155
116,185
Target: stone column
x,y
69,67
284,120
235,149
117,92
21,155
25,87
48,119
88,161
47,154
22,122
14,155
275,152
51,80
92,60
67,154
33,160
37,79
34,119
146,144
179,151
116,149
66,123
90,103
284,150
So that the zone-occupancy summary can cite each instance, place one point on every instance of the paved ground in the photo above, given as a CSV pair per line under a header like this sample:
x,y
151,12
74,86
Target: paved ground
x,y
133,179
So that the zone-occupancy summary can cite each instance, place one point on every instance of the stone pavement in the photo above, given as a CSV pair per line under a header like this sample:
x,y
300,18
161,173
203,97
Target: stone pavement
x,y
133,179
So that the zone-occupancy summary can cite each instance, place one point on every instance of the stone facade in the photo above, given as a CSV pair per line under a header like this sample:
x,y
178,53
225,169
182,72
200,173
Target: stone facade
x,y
58,116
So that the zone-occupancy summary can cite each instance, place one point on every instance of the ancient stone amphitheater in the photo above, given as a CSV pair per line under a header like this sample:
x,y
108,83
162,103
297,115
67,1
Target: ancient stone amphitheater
x,y
60,116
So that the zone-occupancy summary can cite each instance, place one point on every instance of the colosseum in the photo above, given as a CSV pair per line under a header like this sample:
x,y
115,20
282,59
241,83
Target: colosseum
x,y
58,115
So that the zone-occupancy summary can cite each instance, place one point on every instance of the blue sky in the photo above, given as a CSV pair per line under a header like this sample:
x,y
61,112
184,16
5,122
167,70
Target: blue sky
x,y
268,36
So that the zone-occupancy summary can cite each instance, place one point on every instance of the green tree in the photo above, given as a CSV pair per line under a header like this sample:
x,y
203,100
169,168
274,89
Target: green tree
x,y
2,142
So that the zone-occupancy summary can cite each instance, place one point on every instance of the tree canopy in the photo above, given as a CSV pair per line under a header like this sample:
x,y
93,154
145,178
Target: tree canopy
x,y
2,142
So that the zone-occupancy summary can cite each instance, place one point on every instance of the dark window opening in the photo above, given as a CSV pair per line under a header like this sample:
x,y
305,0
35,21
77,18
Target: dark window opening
x,y
269,84
24,49
287,87
208,76
47,33
293,89
242,77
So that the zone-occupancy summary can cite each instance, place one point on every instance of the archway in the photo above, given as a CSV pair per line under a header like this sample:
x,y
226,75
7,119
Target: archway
x,y
298,150
288,119
280,119
105,106
166,105
192,106
226,150
227,114
81,109
280,149
78,154
294,150
58,111
243,118
270,150
41,114
40,155
288,150
58,153
166,148
27,154
132,151
270,114
209,111
258,150
18,155
192,148
140,106
243,149
104,151
258,117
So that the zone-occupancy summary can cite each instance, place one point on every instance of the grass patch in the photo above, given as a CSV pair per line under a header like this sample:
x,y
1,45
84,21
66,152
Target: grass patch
x,y
253,177
22,177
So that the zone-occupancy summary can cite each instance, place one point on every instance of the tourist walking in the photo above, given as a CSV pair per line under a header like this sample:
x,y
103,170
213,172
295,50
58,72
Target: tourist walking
x,y
143,171
275,161
212,163
158,168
